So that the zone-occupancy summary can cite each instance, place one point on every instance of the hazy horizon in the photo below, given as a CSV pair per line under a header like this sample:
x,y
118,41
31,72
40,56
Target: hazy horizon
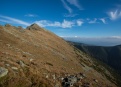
x,y
96,41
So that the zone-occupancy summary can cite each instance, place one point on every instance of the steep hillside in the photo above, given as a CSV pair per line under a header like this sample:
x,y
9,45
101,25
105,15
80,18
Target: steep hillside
x,y
109,55
35,57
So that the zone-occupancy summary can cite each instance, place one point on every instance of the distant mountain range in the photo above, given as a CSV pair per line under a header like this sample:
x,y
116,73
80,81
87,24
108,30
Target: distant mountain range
x,y
110,55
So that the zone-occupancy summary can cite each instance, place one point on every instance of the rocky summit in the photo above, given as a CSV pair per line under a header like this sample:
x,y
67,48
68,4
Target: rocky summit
x,y
35,57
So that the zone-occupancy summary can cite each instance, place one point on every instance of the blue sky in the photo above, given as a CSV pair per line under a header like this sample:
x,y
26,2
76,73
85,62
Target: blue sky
x,y
67,18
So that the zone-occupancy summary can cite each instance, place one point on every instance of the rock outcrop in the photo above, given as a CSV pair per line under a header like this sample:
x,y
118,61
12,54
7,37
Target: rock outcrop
x,y
33,27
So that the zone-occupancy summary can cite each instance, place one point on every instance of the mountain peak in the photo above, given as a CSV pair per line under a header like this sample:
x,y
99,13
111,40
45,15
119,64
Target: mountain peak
x,y
34,24
34,27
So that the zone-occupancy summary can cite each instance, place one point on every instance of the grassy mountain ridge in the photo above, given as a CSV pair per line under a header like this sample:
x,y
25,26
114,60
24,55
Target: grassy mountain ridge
x,y
35,57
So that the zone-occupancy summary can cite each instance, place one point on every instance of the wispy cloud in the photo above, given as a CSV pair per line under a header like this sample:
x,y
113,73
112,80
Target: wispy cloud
x,y
93,21
7,19
63,24
43,23
75,3
103,20
96,20
114,15
31,15
79,22
66,6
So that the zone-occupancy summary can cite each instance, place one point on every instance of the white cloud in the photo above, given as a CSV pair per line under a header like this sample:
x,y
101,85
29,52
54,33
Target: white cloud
x,y
66,6
31,15
93,21
64,24
55,24
103,20
67,24
114,15
75,3
44,23
79,22
7,19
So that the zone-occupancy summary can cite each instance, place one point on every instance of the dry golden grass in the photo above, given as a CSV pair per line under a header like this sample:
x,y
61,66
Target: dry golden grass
x,y
43,53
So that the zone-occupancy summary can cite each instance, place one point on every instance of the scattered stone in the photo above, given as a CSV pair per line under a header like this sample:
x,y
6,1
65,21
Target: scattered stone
x,y
3,72
7,65
21,63
79,77
57,85
82,75
95,80
31,60
33,63
69,81
49,63
54,76
86,85
46,76
8,45
24,56
14,68
62,79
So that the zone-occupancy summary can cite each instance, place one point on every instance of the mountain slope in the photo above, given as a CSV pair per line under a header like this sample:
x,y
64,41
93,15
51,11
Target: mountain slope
x,y
109,55
35,57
